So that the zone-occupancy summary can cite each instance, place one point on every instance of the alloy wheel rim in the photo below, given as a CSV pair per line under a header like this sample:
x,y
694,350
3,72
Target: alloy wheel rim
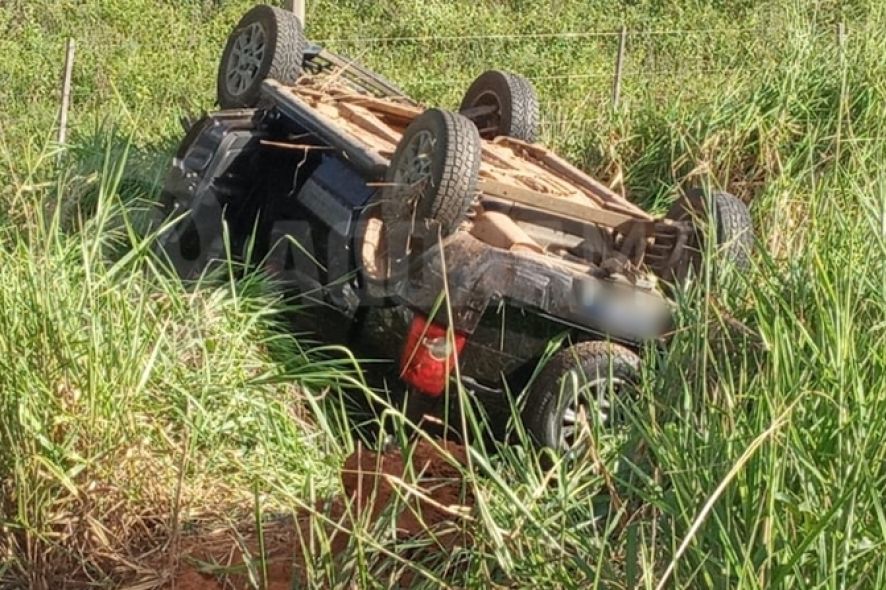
x,y
247,56
415,167
412,176
586,400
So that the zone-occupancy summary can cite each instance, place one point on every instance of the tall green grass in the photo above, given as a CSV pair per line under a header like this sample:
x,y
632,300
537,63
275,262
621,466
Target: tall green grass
x,y
126,397
131,407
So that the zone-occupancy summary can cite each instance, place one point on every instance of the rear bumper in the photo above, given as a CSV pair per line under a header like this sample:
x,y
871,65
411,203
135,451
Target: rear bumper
x,y
475,275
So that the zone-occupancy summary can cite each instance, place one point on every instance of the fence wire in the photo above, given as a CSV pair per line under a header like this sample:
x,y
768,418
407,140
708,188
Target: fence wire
x,y
652,54
533,36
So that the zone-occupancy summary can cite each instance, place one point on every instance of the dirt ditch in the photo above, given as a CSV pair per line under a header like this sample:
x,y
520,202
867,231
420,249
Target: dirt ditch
x,y
422,494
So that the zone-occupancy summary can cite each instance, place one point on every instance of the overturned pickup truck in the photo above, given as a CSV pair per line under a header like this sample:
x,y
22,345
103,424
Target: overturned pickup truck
x,y
450,244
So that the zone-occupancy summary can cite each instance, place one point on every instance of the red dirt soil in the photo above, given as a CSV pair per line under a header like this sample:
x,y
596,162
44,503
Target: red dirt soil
x,y
426,489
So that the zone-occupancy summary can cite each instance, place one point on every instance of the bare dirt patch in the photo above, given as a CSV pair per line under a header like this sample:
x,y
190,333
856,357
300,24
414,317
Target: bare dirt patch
x,y
422,494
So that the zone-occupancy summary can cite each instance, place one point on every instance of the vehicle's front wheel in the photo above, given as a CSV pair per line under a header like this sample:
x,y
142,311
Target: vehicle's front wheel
x,y
581,384
268,42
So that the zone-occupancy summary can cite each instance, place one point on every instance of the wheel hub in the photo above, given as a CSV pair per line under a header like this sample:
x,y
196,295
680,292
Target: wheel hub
x,y
411,177
415,167
490,122
245,62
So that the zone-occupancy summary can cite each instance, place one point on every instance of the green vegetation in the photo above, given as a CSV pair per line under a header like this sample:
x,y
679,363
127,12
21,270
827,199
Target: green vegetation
x,y
131,407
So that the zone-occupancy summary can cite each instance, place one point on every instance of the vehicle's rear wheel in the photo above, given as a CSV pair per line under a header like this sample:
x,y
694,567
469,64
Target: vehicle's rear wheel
x,y
727,216
268,42
430,185
501,103
579,385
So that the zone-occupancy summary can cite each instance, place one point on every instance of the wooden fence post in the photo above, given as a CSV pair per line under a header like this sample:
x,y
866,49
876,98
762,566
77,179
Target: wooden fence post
x,y
619,64
298,7
66,93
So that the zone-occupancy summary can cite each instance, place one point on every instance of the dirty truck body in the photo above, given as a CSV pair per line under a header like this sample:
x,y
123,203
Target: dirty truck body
x,y
312,193
324,181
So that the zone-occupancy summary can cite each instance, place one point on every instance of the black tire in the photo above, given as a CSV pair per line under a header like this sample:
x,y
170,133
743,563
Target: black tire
x,y
239,83
428,196
515,102
553,392
731,222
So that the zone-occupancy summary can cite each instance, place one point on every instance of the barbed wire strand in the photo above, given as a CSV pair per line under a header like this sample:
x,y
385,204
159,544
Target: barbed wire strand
x,y
468,80
598,75
564,35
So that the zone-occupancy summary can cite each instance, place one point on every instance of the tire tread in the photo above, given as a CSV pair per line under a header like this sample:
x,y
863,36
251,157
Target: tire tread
x,y
735,236
458,184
